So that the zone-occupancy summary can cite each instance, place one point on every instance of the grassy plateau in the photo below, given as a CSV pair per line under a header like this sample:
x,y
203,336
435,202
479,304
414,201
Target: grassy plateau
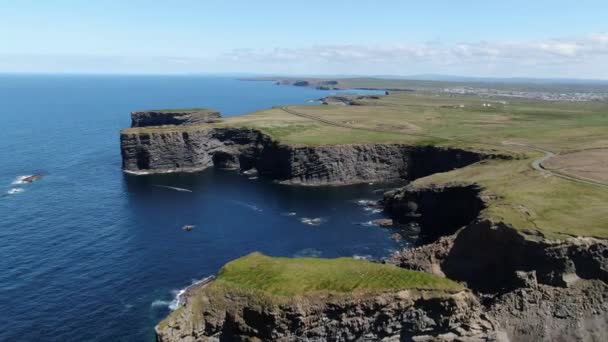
x,y
300,276
516,193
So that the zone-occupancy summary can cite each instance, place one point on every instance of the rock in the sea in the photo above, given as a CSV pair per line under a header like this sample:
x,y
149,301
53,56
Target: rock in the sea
x,y
188,227
383,222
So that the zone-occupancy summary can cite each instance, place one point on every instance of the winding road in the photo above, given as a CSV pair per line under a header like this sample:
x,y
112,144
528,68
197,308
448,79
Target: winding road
x,y
537,164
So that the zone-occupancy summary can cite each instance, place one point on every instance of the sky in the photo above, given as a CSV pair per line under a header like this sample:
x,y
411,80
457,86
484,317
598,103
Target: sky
x,y
515,38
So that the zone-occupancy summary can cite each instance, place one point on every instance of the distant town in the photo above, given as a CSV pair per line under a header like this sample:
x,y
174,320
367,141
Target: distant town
x,y
537,95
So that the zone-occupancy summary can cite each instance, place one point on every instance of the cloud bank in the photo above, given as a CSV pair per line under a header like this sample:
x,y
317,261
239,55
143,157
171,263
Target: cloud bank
x,y
585,56
572,57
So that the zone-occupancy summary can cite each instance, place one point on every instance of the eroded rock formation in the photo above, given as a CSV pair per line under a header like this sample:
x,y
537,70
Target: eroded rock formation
x,y
199,147
398,316
173,117
537,289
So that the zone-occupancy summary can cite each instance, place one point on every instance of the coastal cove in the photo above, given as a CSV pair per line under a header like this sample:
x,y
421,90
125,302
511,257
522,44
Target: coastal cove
x,y
469,197
88,244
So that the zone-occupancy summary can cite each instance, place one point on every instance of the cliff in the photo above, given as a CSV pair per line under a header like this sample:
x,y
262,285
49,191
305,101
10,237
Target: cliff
x,y
199,147
161,117
538,289
239,305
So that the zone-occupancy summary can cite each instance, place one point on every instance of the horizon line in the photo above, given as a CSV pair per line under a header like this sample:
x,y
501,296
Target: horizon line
x,y
415,77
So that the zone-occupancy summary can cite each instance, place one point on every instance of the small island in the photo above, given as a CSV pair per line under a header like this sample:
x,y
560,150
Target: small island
x,y
507,191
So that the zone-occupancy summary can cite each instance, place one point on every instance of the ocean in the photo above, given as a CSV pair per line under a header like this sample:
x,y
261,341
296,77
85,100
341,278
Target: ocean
x,y
88,253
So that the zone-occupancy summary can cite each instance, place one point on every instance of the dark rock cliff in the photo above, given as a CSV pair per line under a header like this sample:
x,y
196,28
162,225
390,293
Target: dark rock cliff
x,y
182,117
539,290
438,210
399,316
190,149
198,148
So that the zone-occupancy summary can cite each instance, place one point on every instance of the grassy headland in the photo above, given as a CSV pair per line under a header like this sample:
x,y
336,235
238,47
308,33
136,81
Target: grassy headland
x,y
516,193
300,276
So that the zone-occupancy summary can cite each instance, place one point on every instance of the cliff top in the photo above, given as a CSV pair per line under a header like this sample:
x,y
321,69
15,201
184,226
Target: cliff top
x,y
556,184
178,110
258,283
298,276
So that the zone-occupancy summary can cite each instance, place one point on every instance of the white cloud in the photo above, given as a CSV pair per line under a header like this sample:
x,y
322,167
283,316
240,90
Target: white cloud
x,y
503,58
579,57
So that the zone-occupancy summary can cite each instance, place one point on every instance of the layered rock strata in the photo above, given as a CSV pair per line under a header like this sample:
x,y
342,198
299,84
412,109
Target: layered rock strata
x,y
537,289
400,316
173,117
199,147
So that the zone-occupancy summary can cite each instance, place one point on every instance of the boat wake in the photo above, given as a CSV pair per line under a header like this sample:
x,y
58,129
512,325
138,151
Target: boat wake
x,y
21,180
14,191
317,221
172,188
247,205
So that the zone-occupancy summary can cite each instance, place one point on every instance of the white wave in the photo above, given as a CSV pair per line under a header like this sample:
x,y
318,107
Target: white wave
x,y
14,191
248,205
291,213
373,210
312,221
367,224
173,188
178,295
20,180
368,203
160,303
252,178
308,252
362,257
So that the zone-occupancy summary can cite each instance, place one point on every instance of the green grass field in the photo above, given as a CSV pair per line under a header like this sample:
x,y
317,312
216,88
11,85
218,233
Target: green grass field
x,y
300,276
260,280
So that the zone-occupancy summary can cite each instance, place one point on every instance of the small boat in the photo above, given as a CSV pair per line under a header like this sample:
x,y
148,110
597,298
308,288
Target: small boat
x,y
188,227
32,178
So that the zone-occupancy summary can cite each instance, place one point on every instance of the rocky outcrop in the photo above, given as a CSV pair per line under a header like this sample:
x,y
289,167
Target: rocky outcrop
x,y
538,289
457,205
497,258
400,316
200,147
347,100
192,149
173,117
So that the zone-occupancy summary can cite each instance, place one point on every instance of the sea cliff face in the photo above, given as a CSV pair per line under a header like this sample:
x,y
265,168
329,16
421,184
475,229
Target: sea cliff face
x,y
173,117
197,148
534,288
398,316
190,150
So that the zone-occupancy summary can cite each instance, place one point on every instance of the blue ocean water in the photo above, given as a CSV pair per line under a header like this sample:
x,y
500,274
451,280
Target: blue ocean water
x,y
90,254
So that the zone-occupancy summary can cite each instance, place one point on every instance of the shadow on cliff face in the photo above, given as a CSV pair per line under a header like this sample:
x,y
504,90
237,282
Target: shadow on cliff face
x,y
439,211
496,257
427,160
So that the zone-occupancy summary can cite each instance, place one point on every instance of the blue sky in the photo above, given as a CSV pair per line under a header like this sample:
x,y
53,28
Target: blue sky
x,y
473,38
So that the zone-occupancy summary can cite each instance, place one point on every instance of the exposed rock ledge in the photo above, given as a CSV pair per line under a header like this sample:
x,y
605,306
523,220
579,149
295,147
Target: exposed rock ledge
x,y
400,316
199,147
535,289
173,117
